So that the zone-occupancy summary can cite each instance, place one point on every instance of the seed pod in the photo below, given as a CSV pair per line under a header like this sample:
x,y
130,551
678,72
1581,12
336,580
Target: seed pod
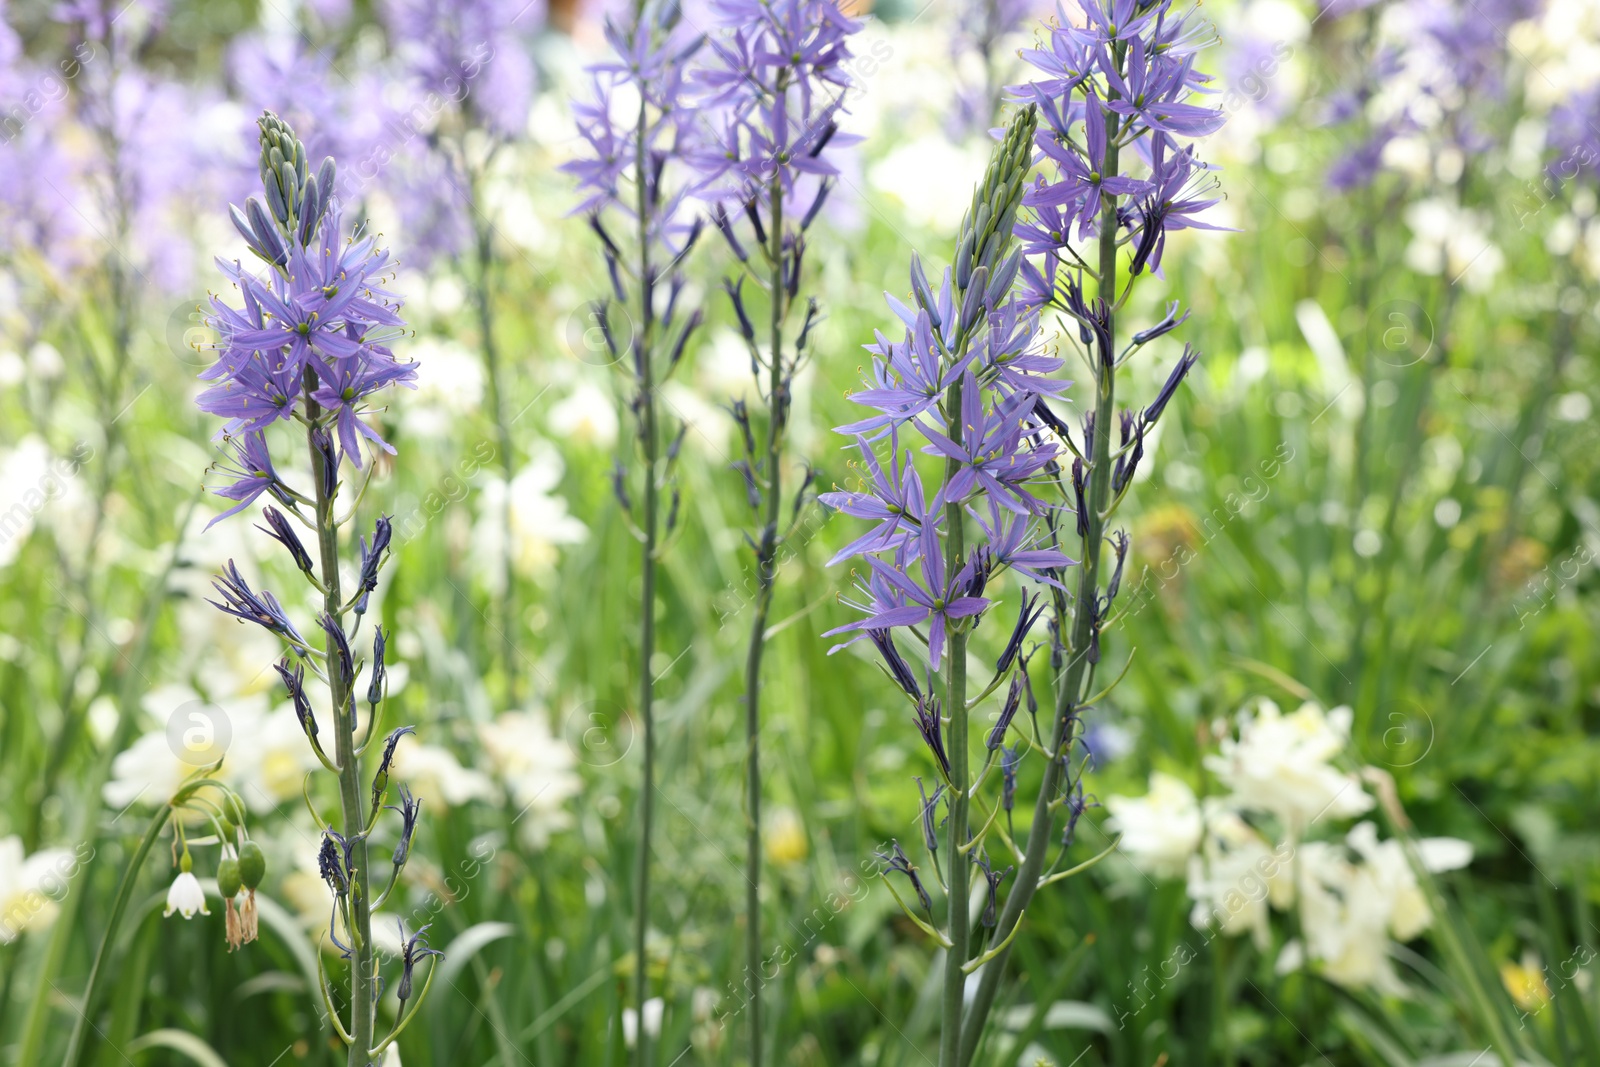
x,y
252,864
233,809
229,880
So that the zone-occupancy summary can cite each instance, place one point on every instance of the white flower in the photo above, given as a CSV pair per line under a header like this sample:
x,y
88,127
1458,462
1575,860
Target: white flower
x,y
1449,239
186,897
37,486
587,414
1161,829
1358,897
30,887
653,1009
145,772
452,387
722,367
260,754
435,775
930,177
709,426
540,522
279,757
1281,764
1237,876
538,768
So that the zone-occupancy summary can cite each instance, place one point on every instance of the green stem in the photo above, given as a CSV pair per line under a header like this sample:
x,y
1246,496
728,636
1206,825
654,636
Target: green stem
x,y
766,578
648,434
955,698
97,973
1082,633
352,810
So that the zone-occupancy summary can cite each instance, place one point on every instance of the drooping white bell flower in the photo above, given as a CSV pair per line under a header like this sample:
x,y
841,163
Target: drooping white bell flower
x,y
186,896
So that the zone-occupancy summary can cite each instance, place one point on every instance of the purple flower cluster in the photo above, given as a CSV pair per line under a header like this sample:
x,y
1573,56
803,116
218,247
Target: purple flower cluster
x,y
471,51
968,379
1453,63
1104,131
1125,81
310,341
771,91
649,63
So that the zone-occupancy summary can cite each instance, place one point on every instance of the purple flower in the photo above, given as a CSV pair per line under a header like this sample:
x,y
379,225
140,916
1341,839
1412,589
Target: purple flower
x,y
937,600
895,502
252,474
1083,181
472,52
1151,93
910,378
1012,543
769,92
1010,353
263,609
895,860
327,313
991,453
650,62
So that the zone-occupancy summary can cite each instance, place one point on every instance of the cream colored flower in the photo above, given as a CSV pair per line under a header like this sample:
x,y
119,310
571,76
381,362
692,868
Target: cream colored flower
x,y
1355,898
1161,829
588,415
1282,765
785,839
540,522
1237,877
30,886
435,775
538,769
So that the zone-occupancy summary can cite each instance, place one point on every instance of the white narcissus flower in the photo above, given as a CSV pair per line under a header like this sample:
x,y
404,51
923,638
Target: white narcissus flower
x,y
540,522
30,886
1359,896
1282,765
538,769
435,775
1237,876
453,388
279,758
1161,829
588,415
146,772
186,896
149,771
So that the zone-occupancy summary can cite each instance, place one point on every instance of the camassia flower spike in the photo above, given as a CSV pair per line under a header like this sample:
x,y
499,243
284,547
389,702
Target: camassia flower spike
x,y
311,345
1075,208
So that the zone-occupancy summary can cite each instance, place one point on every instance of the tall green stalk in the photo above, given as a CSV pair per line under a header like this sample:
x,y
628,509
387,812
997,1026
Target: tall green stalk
x,y
352,810
649,442
955,695
766,578
1070,688
483,300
